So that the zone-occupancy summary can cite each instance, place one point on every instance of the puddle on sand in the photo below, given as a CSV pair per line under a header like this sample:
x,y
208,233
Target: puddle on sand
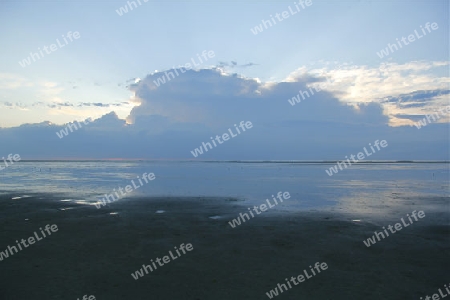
x,y
20,197
66,208
81,202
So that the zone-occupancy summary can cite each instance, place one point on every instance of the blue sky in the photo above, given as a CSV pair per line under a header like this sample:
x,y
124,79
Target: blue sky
x,y
111,67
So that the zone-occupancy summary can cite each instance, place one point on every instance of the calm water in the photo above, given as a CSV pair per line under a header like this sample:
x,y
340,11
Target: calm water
x,y
360,188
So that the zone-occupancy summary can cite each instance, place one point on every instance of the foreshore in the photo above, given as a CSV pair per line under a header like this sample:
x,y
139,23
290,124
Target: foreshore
x,y
95,251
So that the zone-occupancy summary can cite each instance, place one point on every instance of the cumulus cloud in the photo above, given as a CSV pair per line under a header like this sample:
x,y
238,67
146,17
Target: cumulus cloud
x,y
216,99
169,120
382,84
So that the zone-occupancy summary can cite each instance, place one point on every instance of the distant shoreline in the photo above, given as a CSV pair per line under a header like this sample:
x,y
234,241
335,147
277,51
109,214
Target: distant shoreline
x,y
246,161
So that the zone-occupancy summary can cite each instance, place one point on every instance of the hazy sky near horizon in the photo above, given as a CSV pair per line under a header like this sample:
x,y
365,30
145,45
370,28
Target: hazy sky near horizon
x,y
118,57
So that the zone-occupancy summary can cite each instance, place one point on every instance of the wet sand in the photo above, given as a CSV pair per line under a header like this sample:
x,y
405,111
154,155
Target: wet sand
x,y
94,252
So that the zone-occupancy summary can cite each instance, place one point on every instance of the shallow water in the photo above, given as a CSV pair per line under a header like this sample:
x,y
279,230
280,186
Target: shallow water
x,y
363,188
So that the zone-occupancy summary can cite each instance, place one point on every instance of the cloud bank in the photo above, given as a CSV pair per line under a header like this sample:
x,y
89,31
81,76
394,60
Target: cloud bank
x,y
170,120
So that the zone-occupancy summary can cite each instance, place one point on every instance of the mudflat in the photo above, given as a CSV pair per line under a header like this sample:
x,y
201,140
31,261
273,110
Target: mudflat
x,y
95,251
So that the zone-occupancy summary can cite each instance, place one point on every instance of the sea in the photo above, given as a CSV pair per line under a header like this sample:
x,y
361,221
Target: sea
x,y
372,188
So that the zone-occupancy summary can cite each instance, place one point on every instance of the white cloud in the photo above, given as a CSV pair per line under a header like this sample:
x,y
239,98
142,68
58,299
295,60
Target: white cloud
x,y
361,84
9,81
178,116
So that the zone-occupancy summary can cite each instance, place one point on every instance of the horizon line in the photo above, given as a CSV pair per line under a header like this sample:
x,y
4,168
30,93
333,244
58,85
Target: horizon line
x,y
228,161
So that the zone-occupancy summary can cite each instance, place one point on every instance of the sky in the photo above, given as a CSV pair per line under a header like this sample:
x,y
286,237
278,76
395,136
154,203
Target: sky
x,y
157,79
